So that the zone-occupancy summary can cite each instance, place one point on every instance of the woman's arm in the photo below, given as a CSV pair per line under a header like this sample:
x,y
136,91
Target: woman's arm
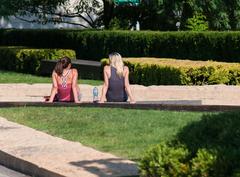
x,y
75,87
105,84
127,85
54,88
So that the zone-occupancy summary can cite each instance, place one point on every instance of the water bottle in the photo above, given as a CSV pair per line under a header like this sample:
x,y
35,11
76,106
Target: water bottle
x,y
95,95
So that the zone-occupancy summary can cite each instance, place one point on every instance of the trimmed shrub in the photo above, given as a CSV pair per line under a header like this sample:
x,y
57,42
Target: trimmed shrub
x,y
28,60
167,161
162,160
90,44
205,148
152,71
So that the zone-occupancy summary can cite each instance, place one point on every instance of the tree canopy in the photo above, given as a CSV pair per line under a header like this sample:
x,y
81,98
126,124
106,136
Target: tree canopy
x,y
163,14
54,11
152,14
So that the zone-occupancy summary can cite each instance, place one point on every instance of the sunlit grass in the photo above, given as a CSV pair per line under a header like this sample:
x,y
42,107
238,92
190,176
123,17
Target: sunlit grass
x,y
123,132
13,77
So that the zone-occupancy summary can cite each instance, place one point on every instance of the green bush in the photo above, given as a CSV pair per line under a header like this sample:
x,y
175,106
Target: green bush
x,y
28,60
197,23
90,44
166,161
163,160
149,71
208,147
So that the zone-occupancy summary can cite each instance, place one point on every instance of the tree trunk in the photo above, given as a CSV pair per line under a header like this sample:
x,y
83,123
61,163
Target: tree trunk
x,y
108,12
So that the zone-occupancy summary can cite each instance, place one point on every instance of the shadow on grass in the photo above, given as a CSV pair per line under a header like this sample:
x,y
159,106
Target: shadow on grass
x,y
219,132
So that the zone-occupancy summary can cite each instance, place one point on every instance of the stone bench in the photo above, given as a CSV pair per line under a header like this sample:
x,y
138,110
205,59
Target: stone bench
x,y
138,105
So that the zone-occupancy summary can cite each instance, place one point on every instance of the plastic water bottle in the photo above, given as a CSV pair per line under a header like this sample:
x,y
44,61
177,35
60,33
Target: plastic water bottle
x,y
95,94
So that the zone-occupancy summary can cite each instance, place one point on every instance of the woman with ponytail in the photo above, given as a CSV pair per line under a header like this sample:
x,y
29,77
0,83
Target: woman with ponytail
x,y
65,87
116,87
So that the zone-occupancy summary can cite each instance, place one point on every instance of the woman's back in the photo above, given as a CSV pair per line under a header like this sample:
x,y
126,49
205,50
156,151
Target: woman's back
x,y
64,83
116,90
116,87
64,87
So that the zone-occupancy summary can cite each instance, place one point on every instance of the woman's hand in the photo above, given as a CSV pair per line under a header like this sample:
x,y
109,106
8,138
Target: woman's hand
x,y
101,101
132,102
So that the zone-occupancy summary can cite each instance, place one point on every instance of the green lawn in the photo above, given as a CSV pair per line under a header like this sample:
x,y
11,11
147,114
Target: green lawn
x,y
123,132
13,77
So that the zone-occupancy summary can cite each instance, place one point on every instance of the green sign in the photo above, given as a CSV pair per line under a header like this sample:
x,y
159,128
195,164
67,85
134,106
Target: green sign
x,y
127,2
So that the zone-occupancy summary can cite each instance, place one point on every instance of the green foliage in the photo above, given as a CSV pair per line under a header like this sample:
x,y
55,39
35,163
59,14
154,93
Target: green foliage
x,y
126,16
154,72
197,23
212,144
217,132
165,160
47,11
163,14
28,60
118,24
158,15
152,14
207,75
219,46
234,77
203,164
162,160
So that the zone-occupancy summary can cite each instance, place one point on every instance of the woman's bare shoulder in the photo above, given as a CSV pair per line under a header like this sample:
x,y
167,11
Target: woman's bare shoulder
x,y
106,68
74,71
54,73
125,69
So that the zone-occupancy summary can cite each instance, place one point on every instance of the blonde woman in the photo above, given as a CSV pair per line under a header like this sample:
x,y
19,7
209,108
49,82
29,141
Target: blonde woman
x,y
116,87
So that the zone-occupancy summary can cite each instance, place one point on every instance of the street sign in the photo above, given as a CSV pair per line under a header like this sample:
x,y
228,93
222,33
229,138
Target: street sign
x,y
127,2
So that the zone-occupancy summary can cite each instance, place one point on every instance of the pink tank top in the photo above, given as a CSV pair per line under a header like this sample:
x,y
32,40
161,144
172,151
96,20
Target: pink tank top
x,y
65,90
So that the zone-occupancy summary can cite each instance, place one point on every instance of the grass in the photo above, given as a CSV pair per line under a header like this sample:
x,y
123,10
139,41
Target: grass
x,y
126,133
13,77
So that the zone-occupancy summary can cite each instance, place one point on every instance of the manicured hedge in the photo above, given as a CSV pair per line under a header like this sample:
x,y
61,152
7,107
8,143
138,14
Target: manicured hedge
x,y
28,60
153,71
89,44
166,160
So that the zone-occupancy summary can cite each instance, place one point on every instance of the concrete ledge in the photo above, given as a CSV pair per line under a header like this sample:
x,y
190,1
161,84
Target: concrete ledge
x,y
138,105
41,155
25,167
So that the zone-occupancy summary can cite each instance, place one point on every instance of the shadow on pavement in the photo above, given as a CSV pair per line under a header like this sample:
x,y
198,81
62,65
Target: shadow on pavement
x,y
108,167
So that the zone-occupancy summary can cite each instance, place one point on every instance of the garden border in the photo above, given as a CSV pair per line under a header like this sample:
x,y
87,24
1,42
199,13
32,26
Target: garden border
x,y
138,105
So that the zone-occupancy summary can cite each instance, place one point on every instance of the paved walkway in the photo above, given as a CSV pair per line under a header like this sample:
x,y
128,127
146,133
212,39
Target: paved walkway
x,y
5,172
197,95
40,154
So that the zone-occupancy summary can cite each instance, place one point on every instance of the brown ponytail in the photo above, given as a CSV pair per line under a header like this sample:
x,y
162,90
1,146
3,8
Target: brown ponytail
x,y
62,64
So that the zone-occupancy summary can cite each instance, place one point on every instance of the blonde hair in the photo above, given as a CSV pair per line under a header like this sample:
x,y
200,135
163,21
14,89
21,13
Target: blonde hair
x,y
117,62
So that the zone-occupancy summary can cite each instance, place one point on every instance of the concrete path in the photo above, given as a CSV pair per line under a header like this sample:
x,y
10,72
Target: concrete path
x,y
196,95
5,172
39,154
